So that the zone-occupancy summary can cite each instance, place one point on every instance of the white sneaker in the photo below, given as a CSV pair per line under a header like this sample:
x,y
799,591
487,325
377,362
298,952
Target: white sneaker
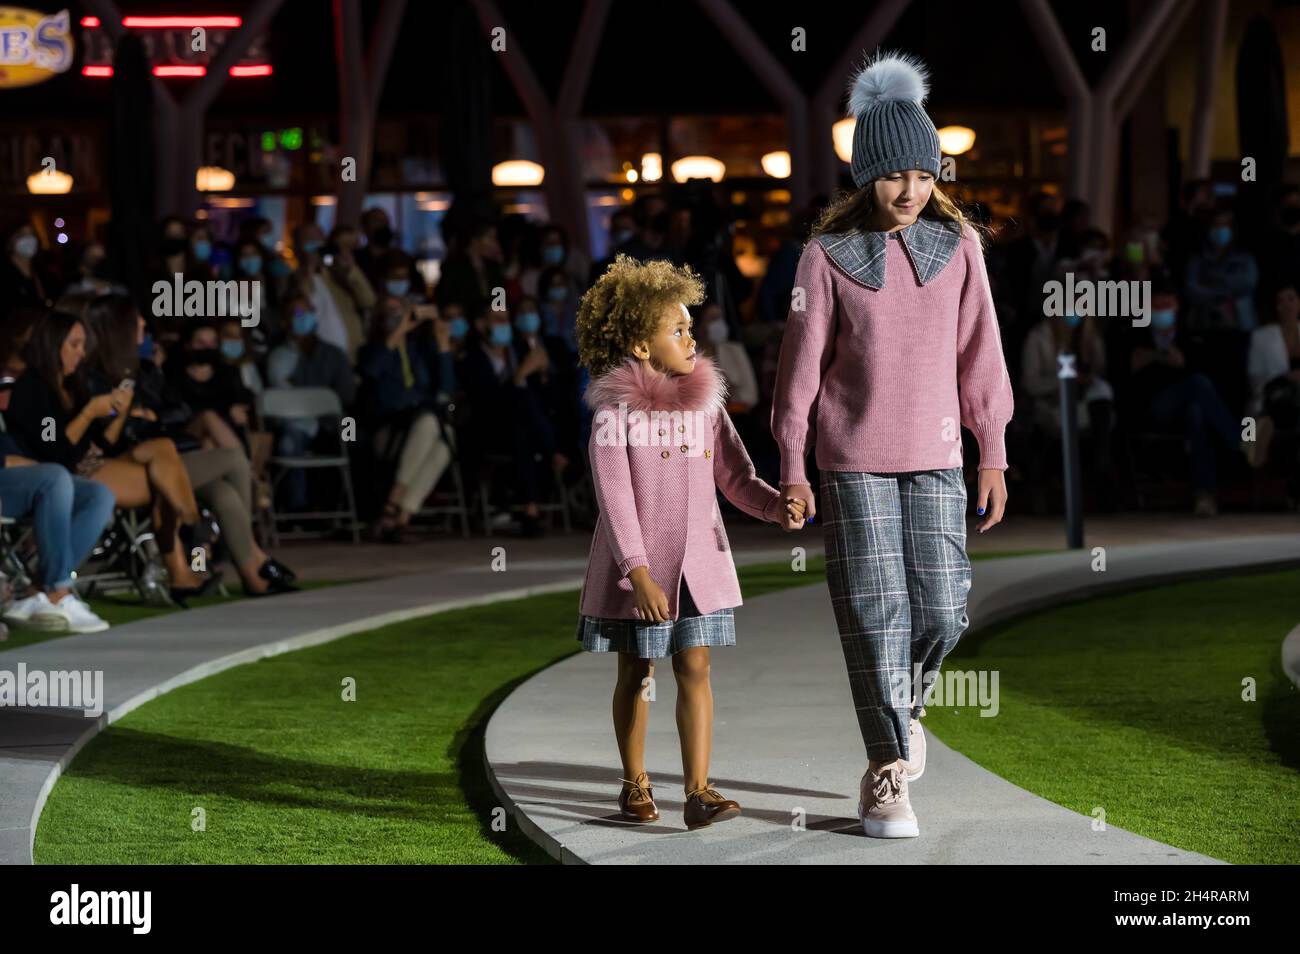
x,y
79,616
883,806
36,612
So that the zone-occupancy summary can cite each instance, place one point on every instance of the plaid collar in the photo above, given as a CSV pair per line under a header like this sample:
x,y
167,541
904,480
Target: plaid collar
x,y
930,245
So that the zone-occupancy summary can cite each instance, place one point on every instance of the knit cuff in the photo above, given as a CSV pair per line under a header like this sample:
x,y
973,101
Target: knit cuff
x,y
793,468
993,448
631,563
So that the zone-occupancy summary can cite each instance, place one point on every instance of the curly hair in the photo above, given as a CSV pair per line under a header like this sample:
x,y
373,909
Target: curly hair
x,y
626,305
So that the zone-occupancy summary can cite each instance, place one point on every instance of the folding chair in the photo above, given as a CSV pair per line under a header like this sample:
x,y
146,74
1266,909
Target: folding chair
x,y
289,403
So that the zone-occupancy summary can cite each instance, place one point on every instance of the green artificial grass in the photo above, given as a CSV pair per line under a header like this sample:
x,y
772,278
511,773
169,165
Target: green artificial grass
x,y
1132,704
287,772
120,610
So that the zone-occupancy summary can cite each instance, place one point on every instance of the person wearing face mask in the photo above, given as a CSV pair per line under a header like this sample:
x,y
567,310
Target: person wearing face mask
x,y
406,413
559,303
507,411
211,387
1083,338
380,240
249,265
554,251
339,294
1167,393
20,284
304,360
1221,280
472,270
731,359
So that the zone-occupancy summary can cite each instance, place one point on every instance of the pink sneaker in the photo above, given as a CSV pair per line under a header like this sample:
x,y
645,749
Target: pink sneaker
x,y
915,766
883,806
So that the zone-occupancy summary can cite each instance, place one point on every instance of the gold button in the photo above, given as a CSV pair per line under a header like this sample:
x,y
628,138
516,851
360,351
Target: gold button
x,y
707,453
685,448
682,428
664,455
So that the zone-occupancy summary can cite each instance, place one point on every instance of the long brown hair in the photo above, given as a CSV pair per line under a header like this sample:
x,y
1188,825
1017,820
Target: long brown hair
x,y
44,359
854,210
115,323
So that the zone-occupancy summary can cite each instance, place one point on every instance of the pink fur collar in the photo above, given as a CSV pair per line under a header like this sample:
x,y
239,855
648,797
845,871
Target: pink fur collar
x,y
643,388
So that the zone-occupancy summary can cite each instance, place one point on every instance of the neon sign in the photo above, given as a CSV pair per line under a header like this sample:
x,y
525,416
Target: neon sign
x,y
170,42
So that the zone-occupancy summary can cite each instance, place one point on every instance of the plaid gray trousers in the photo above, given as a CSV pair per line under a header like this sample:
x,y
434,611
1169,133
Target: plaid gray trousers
x,y
898,575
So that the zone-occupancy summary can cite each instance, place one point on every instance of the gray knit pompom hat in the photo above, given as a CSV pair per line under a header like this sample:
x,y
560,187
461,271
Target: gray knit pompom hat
x,y
893,132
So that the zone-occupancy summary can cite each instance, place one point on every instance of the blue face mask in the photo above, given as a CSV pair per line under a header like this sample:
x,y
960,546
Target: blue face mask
x,y
502,334
398,286
250,264
557,293
304,323
146,347
1073,320
232,348
278,267
459,327
1162,318
621,237
267,241
312,246
1220,235
552,254
202,250
528,322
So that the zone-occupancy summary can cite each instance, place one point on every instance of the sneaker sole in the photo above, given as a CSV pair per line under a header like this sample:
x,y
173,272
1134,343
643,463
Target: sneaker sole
x,y
46,624
82,630
883,829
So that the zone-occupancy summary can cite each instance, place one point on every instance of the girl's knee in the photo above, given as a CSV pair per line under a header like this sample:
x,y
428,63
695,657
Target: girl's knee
x,y
692,664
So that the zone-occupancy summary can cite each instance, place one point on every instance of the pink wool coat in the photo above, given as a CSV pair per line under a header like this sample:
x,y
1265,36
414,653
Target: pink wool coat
x,y
661,446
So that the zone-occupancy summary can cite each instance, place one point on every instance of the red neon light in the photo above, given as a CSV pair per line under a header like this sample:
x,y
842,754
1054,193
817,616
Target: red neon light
x,y
171,23
253,69
175,23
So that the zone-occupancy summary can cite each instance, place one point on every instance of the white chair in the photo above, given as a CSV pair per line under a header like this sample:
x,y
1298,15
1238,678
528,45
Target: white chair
x,y
285,404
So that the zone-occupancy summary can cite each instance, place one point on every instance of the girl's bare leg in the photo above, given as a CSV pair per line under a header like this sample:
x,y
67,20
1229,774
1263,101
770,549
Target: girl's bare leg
x,y
694,714
632,711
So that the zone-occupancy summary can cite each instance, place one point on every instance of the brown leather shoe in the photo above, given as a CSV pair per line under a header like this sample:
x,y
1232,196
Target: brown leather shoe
x,y
704,806
636,803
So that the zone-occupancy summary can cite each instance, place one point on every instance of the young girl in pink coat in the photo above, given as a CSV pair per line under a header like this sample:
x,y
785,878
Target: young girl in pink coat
x,y
660,577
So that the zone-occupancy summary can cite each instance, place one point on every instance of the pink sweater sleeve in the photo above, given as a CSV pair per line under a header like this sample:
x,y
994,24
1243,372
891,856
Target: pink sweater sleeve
x,y
806,351
611,475
983,384
733,472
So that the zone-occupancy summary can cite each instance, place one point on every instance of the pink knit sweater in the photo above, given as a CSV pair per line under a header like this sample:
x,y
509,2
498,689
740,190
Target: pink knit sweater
x,y
878,379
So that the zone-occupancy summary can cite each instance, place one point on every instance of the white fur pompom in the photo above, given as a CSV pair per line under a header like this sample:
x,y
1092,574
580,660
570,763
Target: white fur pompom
x,y
887,78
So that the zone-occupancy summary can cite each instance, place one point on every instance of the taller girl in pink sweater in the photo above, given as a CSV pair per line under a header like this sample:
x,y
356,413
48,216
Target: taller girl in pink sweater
x,y
892,345
660,578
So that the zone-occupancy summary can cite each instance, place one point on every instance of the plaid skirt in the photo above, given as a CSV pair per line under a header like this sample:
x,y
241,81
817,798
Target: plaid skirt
x,y
898,575
657,640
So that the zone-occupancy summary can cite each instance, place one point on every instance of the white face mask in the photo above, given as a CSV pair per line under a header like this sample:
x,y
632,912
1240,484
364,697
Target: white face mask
x,y
26,246
718,332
